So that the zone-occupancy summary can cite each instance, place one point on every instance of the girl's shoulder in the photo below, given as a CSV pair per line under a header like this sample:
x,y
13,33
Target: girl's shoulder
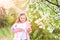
x,y
15,24
27,22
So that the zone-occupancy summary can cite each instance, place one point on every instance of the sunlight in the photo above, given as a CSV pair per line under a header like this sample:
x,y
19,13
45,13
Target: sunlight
x,y
11,3
6,3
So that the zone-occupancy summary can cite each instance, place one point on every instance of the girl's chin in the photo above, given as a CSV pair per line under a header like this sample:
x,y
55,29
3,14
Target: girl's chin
x,y
22,21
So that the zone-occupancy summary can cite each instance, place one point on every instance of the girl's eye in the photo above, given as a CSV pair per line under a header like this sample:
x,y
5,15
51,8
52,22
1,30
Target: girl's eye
x,y
22,18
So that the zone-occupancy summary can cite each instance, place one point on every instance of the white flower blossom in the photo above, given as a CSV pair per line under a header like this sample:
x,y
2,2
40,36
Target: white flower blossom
x,y
40,26
56,36
50,29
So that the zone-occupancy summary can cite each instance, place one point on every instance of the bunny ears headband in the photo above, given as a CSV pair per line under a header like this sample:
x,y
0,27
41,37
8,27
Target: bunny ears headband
x,y
22,12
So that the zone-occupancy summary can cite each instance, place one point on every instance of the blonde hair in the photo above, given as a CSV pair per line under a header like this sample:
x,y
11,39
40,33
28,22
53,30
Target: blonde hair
x,y
18,19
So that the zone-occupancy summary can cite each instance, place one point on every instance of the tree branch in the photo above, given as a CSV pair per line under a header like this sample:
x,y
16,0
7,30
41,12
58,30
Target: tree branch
x,y
53,3
51,8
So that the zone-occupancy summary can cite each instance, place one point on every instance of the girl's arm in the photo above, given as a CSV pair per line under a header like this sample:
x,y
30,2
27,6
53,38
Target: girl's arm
x,y
15,29
29,29
19,30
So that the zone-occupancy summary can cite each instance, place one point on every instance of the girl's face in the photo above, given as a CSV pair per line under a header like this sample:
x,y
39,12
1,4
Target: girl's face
x,y
23,18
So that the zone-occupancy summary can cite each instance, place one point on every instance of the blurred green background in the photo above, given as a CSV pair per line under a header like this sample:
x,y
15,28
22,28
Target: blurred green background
x,y
44,16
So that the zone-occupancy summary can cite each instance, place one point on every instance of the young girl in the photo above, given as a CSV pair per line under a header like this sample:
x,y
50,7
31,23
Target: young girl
x,y
21,28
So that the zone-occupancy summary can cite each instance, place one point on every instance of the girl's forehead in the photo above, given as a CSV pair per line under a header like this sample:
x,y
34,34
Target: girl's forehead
x,y
23,16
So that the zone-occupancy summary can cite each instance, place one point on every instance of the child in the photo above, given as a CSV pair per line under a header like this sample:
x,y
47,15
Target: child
x,y
21,28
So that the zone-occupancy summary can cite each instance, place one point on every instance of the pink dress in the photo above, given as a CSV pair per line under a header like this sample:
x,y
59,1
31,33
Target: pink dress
x,y
21,35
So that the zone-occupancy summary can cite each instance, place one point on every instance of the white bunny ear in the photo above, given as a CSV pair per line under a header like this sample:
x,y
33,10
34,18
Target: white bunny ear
x,y
20,11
